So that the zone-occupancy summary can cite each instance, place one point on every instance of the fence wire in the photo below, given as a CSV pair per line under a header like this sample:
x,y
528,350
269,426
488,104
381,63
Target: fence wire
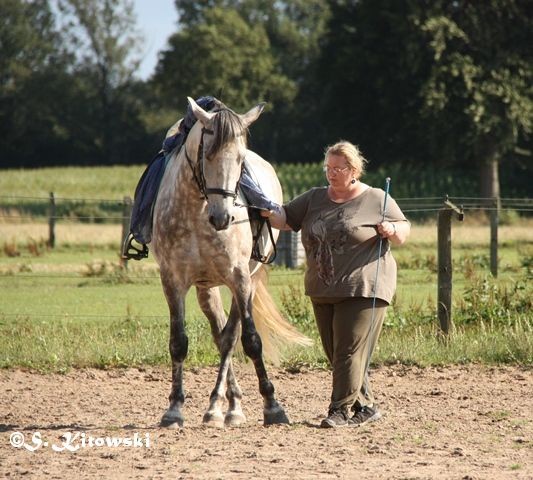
x,y
408,205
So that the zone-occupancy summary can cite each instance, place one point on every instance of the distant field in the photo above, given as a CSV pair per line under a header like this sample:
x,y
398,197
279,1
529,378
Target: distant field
x,y
110,183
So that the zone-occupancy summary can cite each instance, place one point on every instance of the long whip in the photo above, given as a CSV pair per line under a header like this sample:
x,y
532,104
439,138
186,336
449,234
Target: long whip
x,y
372,320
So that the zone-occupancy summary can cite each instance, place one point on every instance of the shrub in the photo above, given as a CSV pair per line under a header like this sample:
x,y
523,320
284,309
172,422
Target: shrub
x,y
487,301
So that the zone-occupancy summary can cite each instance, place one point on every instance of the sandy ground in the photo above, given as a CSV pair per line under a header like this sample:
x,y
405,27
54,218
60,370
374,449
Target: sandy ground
x,y
467,422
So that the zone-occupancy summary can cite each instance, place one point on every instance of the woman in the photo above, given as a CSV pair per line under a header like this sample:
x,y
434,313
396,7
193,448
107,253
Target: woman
x,y
341,228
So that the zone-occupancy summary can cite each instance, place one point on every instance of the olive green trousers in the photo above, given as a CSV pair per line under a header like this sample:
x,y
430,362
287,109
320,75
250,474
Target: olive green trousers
x,y
347,334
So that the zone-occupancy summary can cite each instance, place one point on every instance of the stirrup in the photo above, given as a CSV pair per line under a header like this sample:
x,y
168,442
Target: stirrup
x,y
131,252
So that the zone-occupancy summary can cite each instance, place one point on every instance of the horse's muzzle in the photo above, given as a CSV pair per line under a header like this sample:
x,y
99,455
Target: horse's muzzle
x,y
221,222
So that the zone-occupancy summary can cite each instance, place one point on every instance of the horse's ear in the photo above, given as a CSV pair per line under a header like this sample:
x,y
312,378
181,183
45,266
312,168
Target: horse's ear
x,y
199,112
252,115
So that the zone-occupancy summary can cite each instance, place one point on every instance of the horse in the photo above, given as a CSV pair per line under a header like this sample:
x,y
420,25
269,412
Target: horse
x,y
202,238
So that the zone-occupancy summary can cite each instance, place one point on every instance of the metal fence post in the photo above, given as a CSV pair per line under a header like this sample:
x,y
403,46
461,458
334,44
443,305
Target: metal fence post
x,y
494,220
52,221
295,244
126,218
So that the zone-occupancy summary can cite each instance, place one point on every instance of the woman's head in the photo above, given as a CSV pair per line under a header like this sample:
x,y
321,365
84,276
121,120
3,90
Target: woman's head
x,y
352,155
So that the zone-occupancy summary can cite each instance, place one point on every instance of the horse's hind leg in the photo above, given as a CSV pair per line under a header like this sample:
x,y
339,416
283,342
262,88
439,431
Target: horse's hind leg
x,y
273,412
211,304
178,346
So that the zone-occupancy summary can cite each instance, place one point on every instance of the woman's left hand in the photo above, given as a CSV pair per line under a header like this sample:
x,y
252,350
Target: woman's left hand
x,y
386,229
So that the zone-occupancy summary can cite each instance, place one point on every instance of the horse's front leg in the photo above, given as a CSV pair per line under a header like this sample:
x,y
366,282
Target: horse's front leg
x,y
178,346
273,412
211,304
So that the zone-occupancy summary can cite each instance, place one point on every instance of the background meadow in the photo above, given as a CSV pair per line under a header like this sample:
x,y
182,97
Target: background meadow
x,y
76,305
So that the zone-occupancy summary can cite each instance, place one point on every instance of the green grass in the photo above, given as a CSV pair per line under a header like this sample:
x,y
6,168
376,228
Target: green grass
x,y
74,306
65,308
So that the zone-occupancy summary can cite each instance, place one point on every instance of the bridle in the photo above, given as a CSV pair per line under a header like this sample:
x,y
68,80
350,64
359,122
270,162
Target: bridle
x,y
199,176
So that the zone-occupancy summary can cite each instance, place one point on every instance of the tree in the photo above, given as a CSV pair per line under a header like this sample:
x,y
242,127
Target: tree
x,y
481,80
106,44
294,28
447,83
223,54
367,82
293,31
32,65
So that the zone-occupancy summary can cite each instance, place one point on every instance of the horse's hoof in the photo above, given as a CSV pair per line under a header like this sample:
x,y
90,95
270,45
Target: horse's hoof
x,y
275,416
171,420
213,420
234,419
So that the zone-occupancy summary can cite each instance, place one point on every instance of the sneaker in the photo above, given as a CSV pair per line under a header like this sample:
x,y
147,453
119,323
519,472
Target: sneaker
x,y
364,415
335,418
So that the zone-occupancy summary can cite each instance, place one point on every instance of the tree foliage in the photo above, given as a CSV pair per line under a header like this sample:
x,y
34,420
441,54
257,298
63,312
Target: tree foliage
x,y
479,91
106,45
221,54
293,32
32,80
441,83
424,83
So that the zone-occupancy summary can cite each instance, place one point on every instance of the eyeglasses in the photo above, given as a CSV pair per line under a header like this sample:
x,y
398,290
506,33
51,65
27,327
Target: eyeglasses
x,y
336,170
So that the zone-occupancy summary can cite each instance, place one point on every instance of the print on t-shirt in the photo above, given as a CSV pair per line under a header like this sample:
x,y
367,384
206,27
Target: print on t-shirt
x,y
323,244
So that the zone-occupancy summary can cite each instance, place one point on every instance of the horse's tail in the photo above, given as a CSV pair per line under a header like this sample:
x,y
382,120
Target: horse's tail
x,y
275,331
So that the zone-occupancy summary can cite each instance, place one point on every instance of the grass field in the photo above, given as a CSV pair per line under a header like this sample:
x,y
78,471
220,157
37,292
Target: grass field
x,y
76,306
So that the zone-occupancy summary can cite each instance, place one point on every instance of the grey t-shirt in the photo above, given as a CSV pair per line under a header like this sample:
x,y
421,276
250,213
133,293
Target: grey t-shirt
x,y
341,243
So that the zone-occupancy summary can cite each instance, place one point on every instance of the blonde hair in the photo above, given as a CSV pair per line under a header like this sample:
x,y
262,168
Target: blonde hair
x,y
350,152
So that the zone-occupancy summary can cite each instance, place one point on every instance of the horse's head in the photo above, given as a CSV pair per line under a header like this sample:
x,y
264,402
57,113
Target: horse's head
x,y
223,149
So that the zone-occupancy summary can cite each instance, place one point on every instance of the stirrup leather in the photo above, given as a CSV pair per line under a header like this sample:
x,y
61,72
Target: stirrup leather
x,y
256,253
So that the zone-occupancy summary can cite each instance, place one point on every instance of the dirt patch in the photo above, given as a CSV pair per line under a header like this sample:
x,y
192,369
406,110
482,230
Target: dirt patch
x,y
455,423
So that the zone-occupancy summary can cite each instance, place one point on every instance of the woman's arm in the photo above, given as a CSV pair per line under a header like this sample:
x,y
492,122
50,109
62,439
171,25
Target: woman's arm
x,y
396,232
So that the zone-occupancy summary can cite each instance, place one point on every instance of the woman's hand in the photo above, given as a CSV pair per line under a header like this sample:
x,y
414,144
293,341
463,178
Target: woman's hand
x,y
386,229
396,232
277,218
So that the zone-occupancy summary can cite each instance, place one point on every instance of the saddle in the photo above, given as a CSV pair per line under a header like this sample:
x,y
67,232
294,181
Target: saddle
x,y
263,243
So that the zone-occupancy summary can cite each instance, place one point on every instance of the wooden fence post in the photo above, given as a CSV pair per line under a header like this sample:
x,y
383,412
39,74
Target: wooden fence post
x,y
126,218
494,220
445,270
52,221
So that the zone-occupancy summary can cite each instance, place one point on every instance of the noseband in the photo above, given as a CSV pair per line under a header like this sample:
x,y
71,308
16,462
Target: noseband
x,y
200,177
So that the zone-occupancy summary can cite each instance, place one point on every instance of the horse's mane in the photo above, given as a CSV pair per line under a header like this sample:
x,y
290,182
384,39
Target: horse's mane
x,y
227,126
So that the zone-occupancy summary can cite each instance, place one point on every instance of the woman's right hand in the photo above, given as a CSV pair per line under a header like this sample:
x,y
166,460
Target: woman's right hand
x,y
277,218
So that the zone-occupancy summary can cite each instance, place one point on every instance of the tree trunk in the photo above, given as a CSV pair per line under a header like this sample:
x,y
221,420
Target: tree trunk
x,y
489,177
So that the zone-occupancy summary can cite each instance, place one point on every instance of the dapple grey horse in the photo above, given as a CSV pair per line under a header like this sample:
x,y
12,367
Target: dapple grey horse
x,y
202,238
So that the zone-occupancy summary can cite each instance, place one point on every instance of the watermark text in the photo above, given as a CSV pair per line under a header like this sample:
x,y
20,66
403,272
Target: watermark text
x,y
74,441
